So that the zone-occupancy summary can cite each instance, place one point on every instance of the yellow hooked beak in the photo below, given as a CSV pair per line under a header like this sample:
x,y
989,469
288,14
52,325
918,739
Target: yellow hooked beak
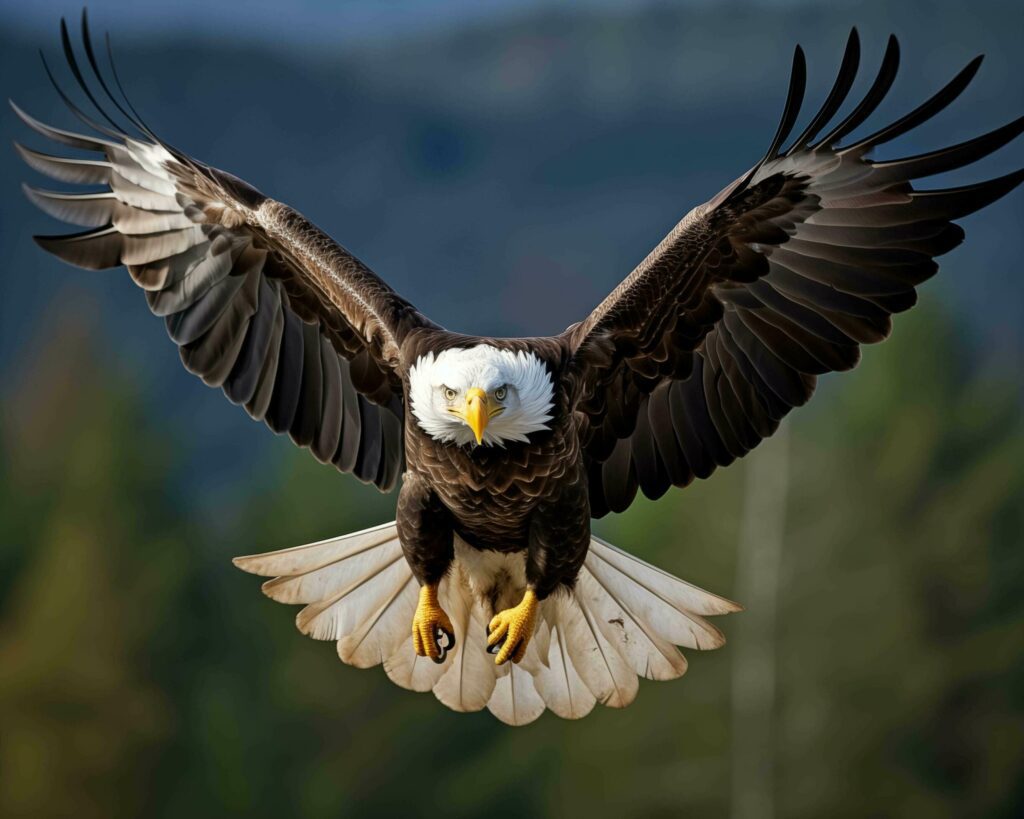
x,y
476,413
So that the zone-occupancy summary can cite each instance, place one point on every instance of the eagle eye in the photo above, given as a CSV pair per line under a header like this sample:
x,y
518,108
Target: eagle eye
x,y
449,393
501,392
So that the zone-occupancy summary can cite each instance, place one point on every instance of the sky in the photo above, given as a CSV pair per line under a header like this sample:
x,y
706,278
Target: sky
x,y
317,22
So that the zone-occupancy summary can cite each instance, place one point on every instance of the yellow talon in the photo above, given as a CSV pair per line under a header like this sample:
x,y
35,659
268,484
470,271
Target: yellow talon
x,y
510,630
432,632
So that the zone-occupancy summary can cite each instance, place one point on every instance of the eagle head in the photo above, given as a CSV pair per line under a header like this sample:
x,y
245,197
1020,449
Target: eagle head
x,y
480,395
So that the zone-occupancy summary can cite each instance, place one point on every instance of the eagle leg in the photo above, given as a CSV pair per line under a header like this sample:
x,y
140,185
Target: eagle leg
x,y
432,633
510,630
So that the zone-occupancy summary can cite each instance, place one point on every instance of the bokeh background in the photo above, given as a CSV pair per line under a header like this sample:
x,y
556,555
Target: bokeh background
x,y
503,165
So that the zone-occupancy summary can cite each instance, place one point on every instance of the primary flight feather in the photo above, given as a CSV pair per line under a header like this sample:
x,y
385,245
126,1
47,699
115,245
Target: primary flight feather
x,y
506,448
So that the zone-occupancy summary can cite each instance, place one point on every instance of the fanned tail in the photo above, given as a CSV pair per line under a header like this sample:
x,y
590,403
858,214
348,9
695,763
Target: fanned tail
x,y
623,620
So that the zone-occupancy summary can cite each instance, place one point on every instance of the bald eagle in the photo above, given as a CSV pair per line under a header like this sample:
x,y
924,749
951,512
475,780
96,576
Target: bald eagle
x,y
488,587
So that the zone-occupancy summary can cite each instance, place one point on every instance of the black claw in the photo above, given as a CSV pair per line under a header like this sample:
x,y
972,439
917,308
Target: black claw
x,y
500,644
445,642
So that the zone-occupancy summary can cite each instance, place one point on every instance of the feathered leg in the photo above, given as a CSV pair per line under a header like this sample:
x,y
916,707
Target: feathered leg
x,y
425,530
559,537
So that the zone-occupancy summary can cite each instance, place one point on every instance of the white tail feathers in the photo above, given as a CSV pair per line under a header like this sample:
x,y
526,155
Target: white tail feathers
x,y
622,621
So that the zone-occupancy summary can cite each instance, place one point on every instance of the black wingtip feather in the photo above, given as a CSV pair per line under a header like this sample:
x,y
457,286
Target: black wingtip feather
x,y
93,63
876,93
955,203
954,156
117,82
72,61
78,112
840,89
181,156
131,113
794,99
924,112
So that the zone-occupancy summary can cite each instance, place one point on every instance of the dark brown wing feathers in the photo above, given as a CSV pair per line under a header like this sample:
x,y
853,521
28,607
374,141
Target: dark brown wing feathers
x,y
261,303
699,354
688,364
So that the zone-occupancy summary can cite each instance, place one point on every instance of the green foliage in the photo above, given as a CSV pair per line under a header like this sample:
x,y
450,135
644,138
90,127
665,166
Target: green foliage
x,y
144,675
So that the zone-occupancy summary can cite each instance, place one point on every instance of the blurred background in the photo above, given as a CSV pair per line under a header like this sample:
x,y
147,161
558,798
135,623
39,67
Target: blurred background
x,y
472,153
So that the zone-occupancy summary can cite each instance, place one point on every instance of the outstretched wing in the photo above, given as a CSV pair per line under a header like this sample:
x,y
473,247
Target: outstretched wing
x,y
699,354
260,302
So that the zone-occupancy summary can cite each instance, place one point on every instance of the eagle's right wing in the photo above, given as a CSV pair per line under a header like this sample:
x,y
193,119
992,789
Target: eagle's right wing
x,y
260,302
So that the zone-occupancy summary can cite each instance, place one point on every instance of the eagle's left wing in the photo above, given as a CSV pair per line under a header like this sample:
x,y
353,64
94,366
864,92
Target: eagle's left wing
x,y
696,356
260,302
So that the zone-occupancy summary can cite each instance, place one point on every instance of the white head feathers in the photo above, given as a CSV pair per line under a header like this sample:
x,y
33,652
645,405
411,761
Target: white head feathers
x,y
518,389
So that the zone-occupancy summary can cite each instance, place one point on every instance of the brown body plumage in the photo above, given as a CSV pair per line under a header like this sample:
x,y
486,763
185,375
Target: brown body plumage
x,y
685,366
523,497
